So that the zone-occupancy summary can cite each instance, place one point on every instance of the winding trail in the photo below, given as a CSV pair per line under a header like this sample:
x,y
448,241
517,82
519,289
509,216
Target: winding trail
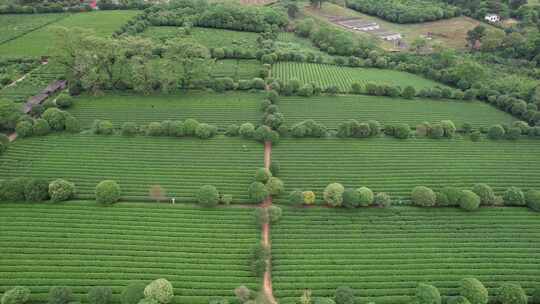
x,y
267,280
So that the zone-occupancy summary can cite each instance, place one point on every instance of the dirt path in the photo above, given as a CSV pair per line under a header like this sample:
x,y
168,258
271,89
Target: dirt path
x,y
12,136
267,281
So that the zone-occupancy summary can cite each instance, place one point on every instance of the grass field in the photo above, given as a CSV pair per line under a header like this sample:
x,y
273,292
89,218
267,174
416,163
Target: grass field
x,y
397,166
40,42
211,38
237,69
384,253
19,24
326,75
332,110
179,165
203,253
219,109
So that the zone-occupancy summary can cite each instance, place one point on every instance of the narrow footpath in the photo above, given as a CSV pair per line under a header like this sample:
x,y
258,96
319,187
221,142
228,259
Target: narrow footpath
x,y
267,281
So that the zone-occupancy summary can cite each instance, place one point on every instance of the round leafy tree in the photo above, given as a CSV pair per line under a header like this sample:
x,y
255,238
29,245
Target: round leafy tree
x,y
129,129
474,291
469,200
108,192
64,101
423,196
383,199
275,167
496,132
366,196
36,190
160,290
309,197
262,175
41,127
154,129
333,194
72,124
205,131
60,295
61,190
427,294
275,186
190,127
532,198
56,118
513,196
351,198
24,129
208,196
486,194
510,293
402,131
296,197
16,295
457,300
13,190
132,293
275,213
258,192
344,295
99,295
247,130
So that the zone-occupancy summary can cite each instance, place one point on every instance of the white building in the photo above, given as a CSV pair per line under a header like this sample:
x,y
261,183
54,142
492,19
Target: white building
x,y
390,36
493,18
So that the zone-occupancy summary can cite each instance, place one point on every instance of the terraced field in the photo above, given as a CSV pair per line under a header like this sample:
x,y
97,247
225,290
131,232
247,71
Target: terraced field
x,y
326,75
237,69
40,42
332,110
13,26
397,166
384,253
33,84
179,165
219,109
203,253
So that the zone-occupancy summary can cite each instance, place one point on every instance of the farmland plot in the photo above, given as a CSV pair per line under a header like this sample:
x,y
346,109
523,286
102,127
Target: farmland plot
x,y
203,253
332,110
34,83
41,42
397,166
179,165
237,69
12,26
219,109
325,75
384,253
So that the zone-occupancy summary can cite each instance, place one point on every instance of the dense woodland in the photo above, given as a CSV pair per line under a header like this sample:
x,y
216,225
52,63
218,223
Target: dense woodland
x,y
410,11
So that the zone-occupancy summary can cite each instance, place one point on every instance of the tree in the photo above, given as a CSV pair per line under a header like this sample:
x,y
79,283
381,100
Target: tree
x,y
309,197
108,192
275,167
263,175
469,200
36,190
24,129
72,124
536,295
427,294
458,300
423,196
274,213
258,192
513,196
486,194
129,129
205,131
247,130
132,293
56,118
13,190
60,295
532,197
61,190
344,295
189,60
208,196
296,198
409,92
510,293
351,198
365,196
41,127
383,200
474,291
333,194
496,132
292,10
9,114
190,127
475,35
160,290
419,44
99,295
275,186
16,295
402,131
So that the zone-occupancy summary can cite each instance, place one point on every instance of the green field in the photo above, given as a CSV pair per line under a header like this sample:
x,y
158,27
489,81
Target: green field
x,y
40,42
16,25
332,110
179,165
211,38
219,109
384,253
203,253
34,83
325,75
397,166
237,69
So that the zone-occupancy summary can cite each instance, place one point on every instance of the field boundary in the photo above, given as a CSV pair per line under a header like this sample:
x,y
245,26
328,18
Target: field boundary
x,y
65,15
267,281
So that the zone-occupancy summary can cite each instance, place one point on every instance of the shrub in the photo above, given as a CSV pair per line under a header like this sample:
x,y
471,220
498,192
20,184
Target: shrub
x,y
273,96
160,290
423,196
41,127
532,197
16,295
510,293
427,294
154,129
344,295
23,129
13,190
190,127
351,198
469,200
61,190
107,192
132,293
99,295
247,130
457,300
208,196
409,92
486,194
274,168
402,131
178,129
129,129
60,295
382,199
168,128
232,130
333,194
275,186
496,132
275,214
474,291
56,118
513,133
243,294
36,190
258,192
476,136
513,196
296,197
309,197
366,196
72,124
64,101
205,131
263,175
259,257
103,127
450,195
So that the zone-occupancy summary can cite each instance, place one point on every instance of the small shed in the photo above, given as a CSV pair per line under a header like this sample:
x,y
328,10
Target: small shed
x,y
492,18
